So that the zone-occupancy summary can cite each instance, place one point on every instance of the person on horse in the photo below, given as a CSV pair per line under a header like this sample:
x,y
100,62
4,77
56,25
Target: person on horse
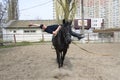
x,y
53,29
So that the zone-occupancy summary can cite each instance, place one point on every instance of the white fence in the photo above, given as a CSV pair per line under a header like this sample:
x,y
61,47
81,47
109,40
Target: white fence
x,y
89,37
26,37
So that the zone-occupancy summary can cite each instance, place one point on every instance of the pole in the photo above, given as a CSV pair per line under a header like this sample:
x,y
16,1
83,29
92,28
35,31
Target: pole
x,y
14,38
82,14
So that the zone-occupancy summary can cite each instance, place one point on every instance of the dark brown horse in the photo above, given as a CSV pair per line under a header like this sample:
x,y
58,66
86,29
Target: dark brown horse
x,y
61,42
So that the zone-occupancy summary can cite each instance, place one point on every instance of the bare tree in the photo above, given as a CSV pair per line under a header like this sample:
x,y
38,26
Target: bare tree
x,y
3,16
68,9
3,11
13,10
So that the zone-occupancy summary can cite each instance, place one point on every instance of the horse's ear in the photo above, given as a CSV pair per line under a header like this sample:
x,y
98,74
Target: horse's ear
x,y
70,22
67,22
64,21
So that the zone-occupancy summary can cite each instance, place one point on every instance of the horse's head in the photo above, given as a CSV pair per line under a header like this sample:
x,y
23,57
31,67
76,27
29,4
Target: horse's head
x,y
65,30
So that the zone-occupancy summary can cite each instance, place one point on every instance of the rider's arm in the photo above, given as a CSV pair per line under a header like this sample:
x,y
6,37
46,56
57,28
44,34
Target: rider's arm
x,y
35,25
56,31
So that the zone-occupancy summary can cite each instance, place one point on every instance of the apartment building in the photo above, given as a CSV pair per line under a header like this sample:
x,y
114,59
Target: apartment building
x,y
109,10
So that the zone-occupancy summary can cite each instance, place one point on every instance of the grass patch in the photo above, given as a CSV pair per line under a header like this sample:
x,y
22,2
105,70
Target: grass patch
x,y
24,43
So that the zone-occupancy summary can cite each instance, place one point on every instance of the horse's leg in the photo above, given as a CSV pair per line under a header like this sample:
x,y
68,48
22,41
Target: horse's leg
x,y
58,58
63,56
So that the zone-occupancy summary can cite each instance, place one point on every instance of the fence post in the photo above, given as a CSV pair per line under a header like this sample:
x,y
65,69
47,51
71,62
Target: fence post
x,y
88,37
42,37
14,38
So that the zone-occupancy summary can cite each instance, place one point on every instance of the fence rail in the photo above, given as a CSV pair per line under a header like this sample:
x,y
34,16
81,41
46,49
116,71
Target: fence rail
x,y
89,37
26,37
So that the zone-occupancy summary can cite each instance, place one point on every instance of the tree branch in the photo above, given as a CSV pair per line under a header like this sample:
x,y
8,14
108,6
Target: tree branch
x,y
73,6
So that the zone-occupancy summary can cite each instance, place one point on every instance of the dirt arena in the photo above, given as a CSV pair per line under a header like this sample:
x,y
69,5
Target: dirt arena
x,y
82,62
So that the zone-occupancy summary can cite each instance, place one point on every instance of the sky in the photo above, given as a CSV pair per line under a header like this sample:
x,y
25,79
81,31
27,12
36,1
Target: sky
x,y
35,9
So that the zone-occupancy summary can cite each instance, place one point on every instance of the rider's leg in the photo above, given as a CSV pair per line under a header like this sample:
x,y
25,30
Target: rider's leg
x,y
79,36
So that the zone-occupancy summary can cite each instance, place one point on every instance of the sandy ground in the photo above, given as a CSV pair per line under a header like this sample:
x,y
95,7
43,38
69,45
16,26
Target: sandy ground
x,y
82,62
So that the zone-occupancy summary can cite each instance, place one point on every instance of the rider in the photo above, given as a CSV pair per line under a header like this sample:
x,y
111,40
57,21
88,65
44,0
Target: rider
x,y
53,29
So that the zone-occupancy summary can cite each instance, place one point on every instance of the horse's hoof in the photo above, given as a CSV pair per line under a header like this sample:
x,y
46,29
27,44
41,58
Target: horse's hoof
x,y
59,66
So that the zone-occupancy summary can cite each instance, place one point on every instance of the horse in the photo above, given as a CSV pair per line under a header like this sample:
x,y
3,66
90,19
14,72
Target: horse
x,y
61,42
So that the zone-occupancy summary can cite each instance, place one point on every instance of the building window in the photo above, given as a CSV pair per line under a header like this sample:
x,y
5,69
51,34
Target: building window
x,y
29,31
95,24
14,31
26,31
32,31
95,20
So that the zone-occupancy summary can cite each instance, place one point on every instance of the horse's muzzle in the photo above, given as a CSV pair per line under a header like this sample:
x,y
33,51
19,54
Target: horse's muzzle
x,y
69,41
